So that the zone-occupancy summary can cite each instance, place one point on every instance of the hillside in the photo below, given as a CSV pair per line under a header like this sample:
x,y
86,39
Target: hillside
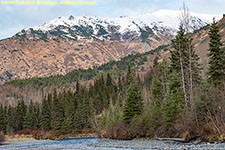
x,y
138,62
35,88
68,43
201,42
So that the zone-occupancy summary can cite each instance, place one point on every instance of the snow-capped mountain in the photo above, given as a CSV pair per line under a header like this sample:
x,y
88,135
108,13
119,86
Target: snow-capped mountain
x,y
160,23
68,43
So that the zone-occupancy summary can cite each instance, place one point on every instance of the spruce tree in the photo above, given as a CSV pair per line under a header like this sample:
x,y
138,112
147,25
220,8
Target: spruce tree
x,y
29,121
20,115
133,105
37,116
155,61
179,58
84,113
45,120
120,86
57,114
129,76
10,127
2,119
79,114
156,101
77,86
184,61
68,125
174,105
108,80
216,70
191,71
158,94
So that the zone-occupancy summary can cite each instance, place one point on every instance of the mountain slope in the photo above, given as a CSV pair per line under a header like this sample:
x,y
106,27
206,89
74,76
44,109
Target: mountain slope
x,y
65,44
138,62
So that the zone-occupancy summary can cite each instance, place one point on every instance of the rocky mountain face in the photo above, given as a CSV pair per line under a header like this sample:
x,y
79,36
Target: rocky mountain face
x,y
68,43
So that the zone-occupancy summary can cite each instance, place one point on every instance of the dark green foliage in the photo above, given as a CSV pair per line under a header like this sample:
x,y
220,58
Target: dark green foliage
x,y
129,76
42,35
101,30
175,104
30,117
155,62
108,80
133,105
84,111
20,113
146,33
57,114
158,95
184,61
157,90
45,120
22,34
180,54
2,119
216,70
69,109
14,50
156,102
84,31
10,126
9,75
65,112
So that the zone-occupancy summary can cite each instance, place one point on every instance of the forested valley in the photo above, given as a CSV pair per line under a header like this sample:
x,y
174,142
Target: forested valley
x,y
174,99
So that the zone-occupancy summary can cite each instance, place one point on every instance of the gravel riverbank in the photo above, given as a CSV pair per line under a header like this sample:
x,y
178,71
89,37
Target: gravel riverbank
x,y
155,144
107,144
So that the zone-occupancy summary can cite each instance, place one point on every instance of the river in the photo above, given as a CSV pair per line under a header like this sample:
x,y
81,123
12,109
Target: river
x,y
107,144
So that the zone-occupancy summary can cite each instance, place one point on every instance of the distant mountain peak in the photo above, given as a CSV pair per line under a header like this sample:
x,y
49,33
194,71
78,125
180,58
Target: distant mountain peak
x,y
67,43
71,17
124,28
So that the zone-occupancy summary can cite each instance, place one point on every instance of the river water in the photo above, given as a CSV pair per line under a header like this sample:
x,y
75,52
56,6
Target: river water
x,y
107,144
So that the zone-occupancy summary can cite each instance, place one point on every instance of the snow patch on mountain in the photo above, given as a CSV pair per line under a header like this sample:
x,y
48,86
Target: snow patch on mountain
x,y
159,22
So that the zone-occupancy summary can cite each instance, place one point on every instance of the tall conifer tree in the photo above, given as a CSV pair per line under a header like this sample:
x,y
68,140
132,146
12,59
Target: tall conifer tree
x,y
216,70
134,104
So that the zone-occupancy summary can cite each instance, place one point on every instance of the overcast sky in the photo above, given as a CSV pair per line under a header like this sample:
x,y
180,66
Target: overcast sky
x,y
16,17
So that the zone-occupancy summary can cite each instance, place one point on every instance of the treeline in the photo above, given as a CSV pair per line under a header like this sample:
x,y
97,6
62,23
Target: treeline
x,y
179,100
62,111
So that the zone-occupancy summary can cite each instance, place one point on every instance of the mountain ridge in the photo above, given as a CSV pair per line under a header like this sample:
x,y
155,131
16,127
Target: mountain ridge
x,y
162,21
64,48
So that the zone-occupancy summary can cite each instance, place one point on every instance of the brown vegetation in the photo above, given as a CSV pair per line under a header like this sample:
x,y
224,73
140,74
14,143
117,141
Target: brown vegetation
x,y
2,137
42,59
119,131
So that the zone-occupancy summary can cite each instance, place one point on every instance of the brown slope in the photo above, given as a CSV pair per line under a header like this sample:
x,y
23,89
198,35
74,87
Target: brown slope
x,y
24,58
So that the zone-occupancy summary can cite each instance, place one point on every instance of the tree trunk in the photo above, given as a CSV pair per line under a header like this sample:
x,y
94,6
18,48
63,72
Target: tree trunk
x,y
182,76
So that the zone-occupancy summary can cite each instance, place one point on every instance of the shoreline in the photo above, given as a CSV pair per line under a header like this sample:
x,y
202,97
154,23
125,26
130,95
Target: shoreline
x,y
22,138
30,137
18,138
86,143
